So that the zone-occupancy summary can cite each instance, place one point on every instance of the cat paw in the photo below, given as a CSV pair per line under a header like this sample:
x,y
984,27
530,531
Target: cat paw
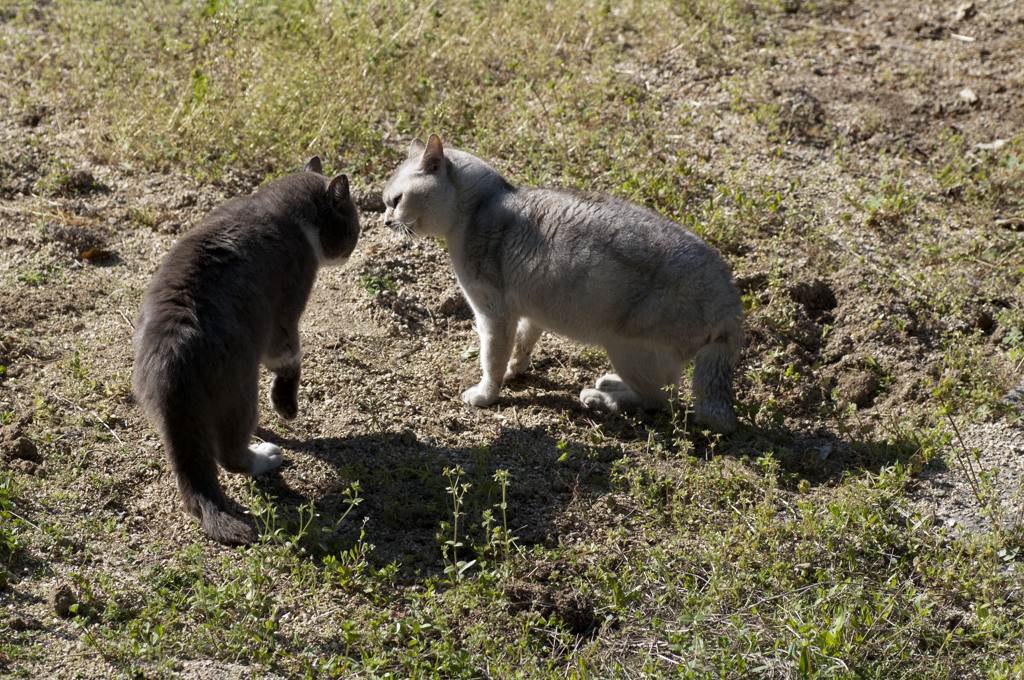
x,y
610,383
516,367
477,396
599,401
284,398
718,417
265,457
286,410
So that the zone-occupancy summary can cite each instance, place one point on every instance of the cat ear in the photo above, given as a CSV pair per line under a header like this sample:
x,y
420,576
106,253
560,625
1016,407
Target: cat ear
x,y
433,155
338,192
314,165
416,148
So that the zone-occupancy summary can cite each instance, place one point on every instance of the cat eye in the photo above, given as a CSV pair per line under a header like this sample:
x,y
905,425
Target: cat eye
x,y
396,200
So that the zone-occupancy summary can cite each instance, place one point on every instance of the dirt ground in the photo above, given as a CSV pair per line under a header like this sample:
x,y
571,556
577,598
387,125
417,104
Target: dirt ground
x,y
383,371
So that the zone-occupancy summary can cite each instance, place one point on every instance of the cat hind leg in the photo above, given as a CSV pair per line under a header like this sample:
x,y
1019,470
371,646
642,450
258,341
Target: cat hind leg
x,y
234,452
712,384
646,379
527,334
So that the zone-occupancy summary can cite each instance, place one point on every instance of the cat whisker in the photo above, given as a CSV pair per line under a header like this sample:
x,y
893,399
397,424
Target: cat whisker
x,y
404,227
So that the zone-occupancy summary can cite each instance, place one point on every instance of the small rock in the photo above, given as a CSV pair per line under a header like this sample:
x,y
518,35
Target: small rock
x,y
22,623
184,200
968,95
61,599
25,467
837,346
79,182
800,112
994,145
408,438
879,140
965,11
1015,397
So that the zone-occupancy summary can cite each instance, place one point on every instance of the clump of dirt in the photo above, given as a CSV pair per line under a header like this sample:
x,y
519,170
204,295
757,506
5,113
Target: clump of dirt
x,y
14,444
61,599
572,609
78,182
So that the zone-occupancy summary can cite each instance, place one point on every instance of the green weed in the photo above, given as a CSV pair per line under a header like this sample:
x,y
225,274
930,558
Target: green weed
x,y
375,285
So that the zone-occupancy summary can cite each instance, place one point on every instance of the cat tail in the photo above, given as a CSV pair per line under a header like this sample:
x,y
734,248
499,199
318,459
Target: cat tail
x,y
195,469
712,377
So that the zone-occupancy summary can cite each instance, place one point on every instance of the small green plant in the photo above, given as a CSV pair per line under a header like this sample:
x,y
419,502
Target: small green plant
x,y
33,278
375,285
499,541
457,490
142,217
13,527
886,204
300,534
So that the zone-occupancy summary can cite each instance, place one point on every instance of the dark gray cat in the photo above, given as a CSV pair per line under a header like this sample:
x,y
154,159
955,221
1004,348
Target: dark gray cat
x,y
227,297
591,267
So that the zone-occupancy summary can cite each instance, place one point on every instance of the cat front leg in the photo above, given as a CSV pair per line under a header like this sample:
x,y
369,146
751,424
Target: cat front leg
x,y
496,339
284,392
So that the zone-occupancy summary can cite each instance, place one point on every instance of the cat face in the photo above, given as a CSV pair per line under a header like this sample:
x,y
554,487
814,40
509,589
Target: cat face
x,y
420,197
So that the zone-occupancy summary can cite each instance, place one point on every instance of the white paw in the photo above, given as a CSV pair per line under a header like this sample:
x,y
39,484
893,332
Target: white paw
x,y
477,396
610,383
598,400
265,457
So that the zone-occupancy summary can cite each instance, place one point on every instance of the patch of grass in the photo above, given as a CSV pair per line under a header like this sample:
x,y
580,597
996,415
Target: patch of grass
x,y
34,278
13,528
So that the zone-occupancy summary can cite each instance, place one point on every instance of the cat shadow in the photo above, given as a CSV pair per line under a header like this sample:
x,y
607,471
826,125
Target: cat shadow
x,y
410,490
815,455
821,457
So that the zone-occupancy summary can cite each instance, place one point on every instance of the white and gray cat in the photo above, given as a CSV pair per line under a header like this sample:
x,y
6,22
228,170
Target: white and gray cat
x,y
227,297
591,267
